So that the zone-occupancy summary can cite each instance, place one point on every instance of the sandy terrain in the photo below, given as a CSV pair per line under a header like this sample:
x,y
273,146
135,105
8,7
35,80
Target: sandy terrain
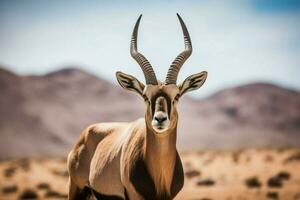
x,y
247,174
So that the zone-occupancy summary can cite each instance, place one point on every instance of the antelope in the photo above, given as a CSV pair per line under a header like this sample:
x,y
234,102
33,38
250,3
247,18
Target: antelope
x,y
136,160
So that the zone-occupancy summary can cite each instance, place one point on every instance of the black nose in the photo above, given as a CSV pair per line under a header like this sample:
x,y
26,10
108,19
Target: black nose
x,y
160,119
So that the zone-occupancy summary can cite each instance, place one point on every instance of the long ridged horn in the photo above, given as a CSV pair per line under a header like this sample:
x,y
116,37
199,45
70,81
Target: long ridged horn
x,y
182,57
140,59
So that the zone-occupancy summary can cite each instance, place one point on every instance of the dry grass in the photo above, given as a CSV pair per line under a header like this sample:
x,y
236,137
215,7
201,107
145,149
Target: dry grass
x,y
215,175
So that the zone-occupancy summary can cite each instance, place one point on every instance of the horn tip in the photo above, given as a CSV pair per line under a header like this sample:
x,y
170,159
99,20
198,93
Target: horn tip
x,y
138,20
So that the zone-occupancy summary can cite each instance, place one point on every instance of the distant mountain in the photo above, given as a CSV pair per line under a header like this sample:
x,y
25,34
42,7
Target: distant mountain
x,y
254,115
44,115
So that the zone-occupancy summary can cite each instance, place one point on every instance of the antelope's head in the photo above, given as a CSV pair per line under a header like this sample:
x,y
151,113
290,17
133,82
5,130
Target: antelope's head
x,y
161,97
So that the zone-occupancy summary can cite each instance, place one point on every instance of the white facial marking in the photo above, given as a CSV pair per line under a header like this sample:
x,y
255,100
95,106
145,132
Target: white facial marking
x,y
160,121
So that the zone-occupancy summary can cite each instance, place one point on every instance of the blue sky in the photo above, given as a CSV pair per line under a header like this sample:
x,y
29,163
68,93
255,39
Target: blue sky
x,y
237,42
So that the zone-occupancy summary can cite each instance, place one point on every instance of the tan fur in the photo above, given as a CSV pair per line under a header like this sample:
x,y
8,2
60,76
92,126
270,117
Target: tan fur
x,y
160,158
102,169
140,157
104,155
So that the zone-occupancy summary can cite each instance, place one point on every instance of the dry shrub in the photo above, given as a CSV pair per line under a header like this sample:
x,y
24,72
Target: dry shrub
x,y
28,194
206,182
42,186
269,159
192,173
283,175
272,195
275,182
9,189
24,164
54,194
236,156
253,182
292,158
9,172
63,173
297,196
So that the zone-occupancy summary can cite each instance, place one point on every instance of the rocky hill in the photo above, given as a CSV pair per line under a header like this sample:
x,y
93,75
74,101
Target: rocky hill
x,y
43,115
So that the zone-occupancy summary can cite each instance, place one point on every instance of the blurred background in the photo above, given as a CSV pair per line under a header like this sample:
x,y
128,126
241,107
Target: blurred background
x,y
57,75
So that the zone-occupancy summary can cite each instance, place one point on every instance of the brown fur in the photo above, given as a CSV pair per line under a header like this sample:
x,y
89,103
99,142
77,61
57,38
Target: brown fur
x,y
126,144
137,159
112,158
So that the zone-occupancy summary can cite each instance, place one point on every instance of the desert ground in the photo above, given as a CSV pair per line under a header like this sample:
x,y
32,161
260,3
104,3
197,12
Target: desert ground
x,y
209,175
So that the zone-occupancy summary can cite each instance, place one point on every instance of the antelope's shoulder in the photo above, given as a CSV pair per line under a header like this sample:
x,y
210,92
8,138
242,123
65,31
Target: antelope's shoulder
x,y
96,132
84,149
133,145
80,156
115,138
105,177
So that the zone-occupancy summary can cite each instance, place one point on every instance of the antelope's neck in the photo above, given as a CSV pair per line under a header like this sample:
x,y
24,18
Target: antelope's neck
x,y
160,158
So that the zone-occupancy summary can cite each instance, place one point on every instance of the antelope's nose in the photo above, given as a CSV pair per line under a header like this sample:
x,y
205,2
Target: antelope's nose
x,y
160,119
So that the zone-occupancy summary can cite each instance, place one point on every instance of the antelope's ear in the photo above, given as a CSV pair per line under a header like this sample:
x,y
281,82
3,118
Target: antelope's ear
x,y
129,82
192,82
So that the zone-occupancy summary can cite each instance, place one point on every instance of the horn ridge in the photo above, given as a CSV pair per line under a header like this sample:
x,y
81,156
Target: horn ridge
x,y
182,57
140,58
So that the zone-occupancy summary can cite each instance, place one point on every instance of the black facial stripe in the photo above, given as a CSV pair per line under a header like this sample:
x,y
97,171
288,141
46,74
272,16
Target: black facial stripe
x,y
166,97
130,86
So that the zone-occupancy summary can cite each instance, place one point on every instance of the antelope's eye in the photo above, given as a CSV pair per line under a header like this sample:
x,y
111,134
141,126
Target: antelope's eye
x,y
145,97
176,98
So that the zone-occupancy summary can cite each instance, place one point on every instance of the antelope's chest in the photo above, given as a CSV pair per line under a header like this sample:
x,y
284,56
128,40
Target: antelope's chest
x,y
143,183
146,187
